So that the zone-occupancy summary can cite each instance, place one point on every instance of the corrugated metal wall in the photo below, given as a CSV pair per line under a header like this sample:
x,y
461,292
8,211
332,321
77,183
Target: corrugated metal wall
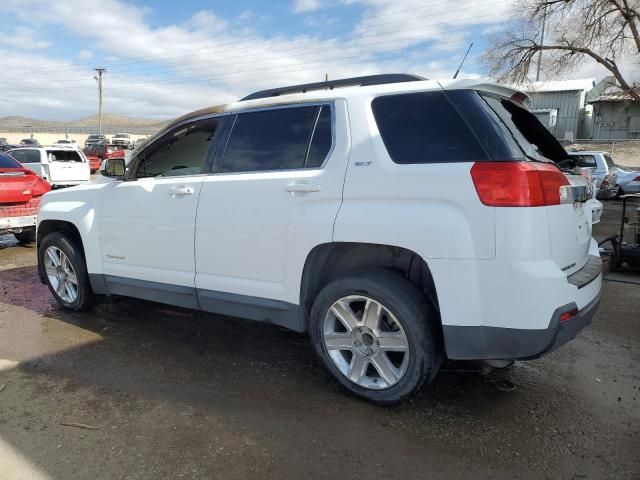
x,y
570,107
616,120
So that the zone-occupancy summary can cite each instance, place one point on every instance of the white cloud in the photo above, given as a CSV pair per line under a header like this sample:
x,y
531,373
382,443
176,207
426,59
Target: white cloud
x,y
300,6
161,72
85,54
23,38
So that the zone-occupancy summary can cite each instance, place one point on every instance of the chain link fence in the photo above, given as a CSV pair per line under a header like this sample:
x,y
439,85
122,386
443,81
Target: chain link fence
x,y
625,153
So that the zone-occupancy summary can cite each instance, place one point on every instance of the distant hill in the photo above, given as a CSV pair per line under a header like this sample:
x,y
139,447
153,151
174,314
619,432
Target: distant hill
x,y
113,122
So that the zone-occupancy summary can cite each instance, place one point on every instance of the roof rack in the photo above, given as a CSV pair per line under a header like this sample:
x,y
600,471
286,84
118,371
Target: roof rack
x,y
331,84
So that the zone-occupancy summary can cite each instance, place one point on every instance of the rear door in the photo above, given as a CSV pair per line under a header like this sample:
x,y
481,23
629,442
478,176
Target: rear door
x,y
274,196
67,166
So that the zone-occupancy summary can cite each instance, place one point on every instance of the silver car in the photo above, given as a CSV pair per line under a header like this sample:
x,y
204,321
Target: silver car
x,y
602,168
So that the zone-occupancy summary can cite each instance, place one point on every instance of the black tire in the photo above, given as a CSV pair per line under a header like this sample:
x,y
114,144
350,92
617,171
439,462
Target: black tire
x,y
411,309
28,235
68,246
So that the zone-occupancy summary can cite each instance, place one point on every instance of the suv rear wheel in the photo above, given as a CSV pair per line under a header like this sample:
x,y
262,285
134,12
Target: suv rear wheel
x,y
65,271
376,334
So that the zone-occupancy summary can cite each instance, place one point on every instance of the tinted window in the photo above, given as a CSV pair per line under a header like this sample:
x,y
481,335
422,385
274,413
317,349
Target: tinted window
x,y
31,156
424,128
19,155
322,139
64,156
585,161
533,137
7,162
269,140
182,152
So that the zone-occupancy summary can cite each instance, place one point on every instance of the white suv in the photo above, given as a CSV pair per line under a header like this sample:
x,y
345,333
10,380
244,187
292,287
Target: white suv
x,y
397,220
60,165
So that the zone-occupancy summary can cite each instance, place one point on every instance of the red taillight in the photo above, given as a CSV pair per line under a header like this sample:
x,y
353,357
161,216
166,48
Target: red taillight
x,y
637,179
521,98
518,184
568,315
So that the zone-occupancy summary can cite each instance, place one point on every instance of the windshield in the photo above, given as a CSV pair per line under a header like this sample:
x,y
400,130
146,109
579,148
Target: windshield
x,y
532,137
121,135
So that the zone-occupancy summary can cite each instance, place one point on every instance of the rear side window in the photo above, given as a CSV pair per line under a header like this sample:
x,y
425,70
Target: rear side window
x,y
19,155
31,156
274,140
585,160
64,156
425,128
609,161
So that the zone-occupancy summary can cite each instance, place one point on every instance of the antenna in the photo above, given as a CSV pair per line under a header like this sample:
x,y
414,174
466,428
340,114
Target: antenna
x,y
462,63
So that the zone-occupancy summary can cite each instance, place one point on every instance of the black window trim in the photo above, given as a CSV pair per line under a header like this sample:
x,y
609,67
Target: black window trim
x,y
234,114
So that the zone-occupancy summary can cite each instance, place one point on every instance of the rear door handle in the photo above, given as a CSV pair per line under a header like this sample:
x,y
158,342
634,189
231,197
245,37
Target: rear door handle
x,y
181,191
302,188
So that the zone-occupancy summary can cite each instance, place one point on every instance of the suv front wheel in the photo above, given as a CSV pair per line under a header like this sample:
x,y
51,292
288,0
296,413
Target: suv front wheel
x,y
376,334
65,271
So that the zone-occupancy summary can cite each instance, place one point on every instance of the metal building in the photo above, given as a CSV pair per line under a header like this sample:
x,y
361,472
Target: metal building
x,y
616,116
562,106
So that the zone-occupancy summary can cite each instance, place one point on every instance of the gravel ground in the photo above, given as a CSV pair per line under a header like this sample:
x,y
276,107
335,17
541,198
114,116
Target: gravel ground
x,y
136,389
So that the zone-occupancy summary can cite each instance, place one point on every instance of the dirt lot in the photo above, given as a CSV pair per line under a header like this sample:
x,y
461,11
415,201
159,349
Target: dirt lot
x,y
170,393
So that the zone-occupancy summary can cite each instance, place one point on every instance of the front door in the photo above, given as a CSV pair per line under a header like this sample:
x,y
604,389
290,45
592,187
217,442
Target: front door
x,y
148,222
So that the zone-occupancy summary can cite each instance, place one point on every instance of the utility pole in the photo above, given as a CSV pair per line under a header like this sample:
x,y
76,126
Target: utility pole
x,y
544,21
99,79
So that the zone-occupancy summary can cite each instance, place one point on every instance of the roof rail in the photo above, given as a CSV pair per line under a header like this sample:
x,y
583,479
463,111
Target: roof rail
x,y
331,84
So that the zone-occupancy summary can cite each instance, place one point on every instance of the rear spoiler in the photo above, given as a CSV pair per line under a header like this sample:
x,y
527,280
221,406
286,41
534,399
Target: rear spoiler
x,y
490,87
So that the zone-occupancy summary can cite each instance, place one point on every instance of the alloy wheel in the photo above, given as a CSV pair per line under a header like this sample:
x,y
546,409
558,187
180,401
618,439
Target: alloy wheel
x,y
365,342
61,274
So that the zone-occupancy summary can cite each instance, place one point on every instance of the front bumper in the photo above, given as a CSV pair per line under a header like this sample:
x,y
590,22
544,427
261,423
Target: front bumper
x,y
496,343
17,224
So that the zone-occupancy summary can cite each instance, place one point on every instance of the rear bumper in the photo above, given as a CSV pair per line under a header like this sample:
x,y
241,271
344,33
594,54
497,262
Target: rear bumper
x,y
607,193
496,343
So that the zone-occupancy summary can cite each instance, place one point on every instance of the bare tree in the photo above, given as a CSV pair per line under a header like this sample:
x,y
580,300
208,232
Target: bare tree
x,y
602,30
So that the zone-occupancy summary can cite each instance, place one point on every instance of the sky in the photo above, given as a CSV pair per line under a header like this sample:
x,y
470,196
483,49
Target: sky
x,y
165,58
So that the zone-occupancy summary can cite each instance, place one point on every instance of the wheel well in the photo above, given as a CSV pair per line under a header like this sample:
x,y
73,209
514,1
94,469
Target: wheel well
x,y
332,260
69,229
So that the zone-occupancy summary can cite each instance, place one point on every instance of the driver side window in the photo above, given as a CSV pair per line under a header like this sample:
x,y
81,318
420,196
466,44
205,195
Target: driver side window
x,y
181,152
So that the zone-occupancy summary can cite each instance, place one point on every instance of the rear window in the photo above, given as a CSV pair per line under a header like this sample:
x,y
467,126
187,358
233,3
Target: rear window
x,y
609,161
64,156
532,137
585,161
7,162
425,127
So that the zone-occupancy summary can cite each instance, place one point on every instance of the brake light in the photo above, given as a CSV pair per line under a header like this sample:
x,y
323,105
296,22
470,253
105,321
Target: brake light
x,y
518,184
521,98
637,179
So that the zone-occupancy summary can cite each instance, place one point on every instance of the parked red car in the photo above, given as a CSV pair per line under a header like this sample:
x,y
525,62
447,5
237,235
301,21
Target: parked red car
x,y
20,192
94,161
104,150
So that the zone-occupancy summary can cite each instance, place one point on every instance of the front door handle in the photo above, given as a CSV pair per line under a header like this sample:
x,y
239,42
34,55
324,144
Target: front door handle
x,y
302,188
180,191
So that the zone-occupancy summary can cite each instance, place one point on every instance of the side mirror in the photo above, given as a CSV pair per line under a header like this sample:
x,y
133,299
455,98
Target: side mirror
x,y
113,168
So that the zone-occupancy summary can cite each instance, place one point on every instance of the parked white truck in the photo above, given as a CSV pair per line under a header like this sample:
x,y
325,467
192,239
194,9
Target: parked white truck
x,y
60,165
397,220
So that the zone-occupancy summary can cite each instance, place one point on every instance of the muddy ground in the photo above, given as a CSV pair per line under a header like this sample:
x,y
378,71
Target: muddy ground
x,y
160,392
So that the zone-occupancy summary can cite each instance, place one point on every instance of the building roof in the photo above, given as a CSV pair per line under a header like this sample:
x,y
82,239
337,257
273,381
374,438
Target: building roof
x,y
615,95
558,85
